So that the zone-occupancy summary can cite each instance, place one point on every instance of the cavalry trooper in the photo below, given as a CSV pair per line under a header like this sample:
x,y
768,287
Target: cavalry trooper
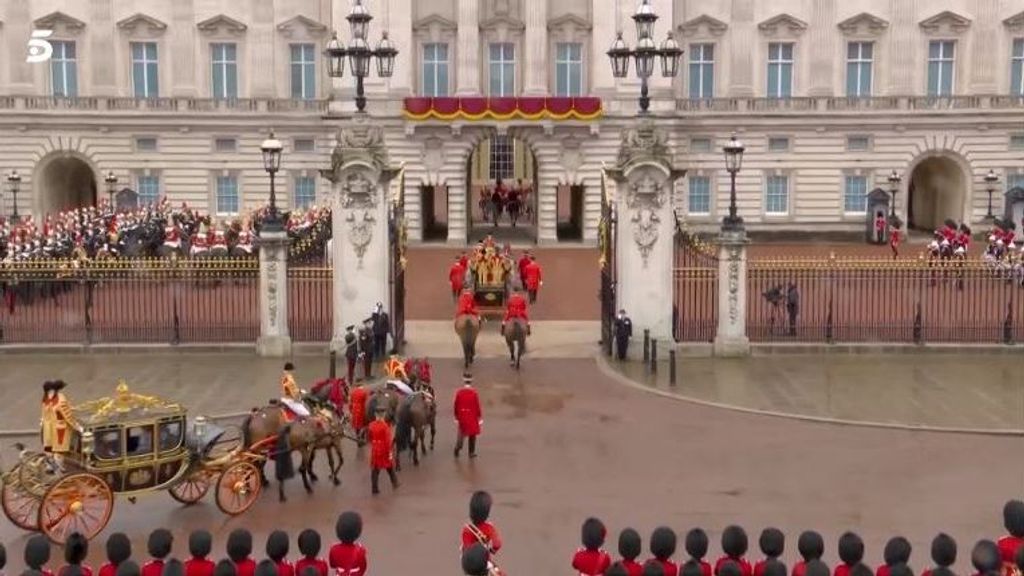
x,y
516,308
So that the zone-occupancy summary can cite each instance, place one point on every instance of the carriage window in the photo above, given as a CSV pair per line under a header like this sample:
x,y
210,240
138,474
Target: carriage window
x,y
170,435
108,445
140,441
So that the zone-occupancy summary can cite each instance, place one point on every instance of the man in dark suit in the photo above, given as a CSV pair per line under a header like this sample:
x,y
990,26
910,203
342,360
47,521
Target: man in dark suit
x,y
381,324
623,332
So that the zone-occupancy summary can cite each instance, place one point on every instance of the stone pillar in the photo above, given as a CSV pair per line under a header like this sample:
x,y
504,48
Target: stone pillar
x,y
603,30
535,43
731,339
274,338
17,29
261,42
744,37
468,74
399,28
101,44
905,37
182,33
822,36
986,43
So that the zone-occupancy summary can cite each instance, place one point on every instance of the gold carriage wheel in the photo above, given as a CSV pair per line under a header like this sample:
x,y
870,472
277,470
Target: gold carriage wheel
x,y
20,506
77,503
192,488
238,487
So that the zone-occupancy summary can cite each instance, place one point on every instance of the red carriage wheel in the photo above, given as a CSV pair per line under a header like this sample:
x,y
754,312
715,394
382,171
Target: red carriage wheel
x,y
191,489
77,503
238,488
20,507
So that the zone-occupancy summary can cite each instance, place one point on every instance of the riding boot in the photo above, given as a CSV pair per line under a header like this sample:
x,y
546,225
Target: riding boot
x,y
458,445
394,478
374,480
472,446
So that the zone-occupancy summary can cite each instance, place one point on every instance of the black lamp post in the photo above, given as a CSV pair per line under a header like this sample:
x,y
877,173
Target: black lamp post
x,y
359,53
991,179
111,180
14,181
894,188
645,53
271,149
733,164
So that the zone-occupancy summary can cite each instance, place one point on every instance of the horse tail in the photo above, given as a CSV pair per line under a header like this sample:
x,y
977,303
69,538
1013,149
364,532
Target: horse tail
x,y
283,467
403,426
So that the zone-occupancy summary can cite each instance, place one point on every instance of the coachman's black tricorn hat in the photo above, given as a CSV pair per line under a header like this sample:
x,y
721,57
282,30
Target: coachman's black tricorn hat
x,y
349,527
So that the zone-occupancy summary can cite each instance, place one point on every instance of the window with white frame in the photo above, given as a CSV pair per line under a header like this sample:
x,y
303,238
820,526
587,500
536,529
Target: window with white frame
x,y
569,69
502,69
435,70
700,145
858,143
304,194
148,188
502,158
225,145
145,144
224,59
778,144
64,69
145,71
941,60
702,71
698,199
1014,180
855,194
1017,142
303,59
1017,68
227,195
859,61
780,70
776,195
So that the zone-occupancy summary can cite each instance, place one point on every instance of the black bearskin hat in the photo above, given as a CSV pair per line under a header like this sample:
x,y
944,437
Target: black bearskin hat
x,y
239,545
730,568
310,571
76,548
173,567
861,570
37,552
944,550
901,570
1013,518
653,568
119,548
942,571
897,551
697,544
277,545
663,543
349,527
72,570
225,568
629,544
474,560
734,541
480,507
816,568
851,548
985,557
160,542
772,542
810,545
309,543
200,542
592,534
617,569
128,568
691,568
266,568
774,567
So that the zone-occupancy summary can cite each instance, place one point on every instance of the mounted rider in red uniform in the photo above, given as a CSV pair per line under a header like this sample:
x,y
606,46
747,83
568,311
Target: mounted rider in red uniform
x,y
467,305
516,308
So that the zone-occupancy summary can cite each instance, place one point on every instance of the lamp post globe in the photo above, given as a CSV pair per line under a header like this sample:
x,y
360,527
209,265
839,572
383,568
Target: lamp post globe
x,y
733,151
894,188
645,17
991,180
359,20
386,53
670,55
271,148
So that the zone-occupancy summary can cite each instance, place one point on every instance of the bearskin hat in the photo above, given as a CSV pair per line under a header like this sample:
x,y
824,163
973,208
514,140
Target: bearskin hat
x,y
239,545
309,543
37,552
861,570
816,568
897,551
810,545
224,568
200,543
173,567
730,568
653,568
942,571
128,568
772,542
697,543
76,548
629,544
480,507
663,543
310,571
72,570
474,560
944,550
851,548
277,545
691,568
985,557
266,568
119,548
734,541
1013,518
616,569
774,567
349,527
160,542
592,534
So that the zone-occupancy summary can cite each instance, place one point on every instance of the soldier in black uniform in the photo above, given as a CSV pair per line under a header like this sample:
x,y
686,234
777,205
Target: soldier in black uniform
x,y
381,329
366,347
623,332
351,353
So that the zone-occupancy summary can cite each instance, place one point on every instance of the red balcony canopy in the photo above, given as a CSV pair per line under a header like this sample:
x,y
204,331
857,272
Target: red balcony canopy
x,y
482,108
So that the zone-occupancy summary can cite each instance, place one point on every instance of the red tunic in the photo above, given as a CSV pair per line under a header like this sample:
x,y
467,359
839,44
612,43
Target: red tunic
x,y
745,568
633,568
348,559
317,564
467,305
880,223
198,567
357,407
800,568
156,568
842,570
285,568
245,567
521,265
532,275
381,440
894,237
86,571
591,562
491,536
883,570
668,567
456,276
467,411
516,308
110,569
1008,546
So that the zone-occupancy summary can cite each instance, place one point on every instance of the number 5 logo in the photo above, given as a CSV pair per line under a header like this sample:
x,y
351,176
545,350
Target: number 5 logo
x,y
39,50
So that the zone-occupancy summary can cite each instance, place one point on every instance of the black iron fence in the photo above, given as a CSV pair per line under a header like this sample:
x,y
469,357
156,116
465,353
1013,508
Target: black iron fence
x,y
310,307
695,298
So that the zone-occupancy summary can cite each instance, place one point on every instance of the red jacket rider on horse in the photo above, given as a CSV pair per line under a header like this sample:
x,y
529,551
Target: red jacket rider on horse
x,y
516,308
467,305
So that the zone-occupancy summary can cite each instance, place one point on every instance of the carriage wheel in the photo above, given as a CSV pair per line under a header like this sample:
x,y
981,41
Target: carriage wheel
x,y
191,489
77,503
20,507
238,488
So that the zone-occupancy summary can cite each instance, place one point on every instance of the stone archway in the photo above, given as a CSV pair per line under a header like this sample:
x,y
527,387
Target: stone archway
x,y
938,190
63,182
512,161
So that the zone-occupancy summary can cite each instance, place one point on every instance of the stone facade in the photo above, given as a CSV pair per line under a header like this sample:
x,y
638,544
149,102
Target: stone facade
x,y
809,153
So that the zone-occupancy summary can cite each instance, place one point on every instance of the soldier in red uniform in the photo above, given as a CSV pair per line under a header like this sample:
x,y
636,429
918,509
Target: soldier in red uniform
x,y
457,277
696,545
37,554
851,552
357,410
478,530
467,305
591,560
532,279
119,550
880,228
663,546
76,548
515,308
986,559
943,554
629,549
1013,521
476,561
382,455
309,546
895,236
735,544
772,543
277,552
239,549
468,415
897,551
811,546
521,264
200,543
348,557
159,547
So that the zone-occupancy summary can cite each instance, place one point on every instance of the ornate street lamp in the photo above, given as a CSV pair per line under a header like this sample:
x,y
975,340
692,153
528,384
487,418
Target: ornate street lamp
x,y
894,188
991,180
271,149
645,53
360,54
111,180
14,181
733,164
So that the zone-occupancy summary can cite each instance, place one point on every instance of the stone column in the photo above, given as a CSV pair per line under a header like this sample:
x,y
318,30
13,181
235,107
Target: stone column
x,y
261,45
744,37
399,28
101,45
905,36
535,43
468,73
986,43
182,36
731,339
603,30
274,338
822,37
17,29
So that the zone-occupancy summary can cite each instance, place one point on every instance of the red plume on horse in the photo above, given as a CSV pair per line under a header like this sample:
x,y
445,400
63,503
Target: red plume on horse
x,y
333,391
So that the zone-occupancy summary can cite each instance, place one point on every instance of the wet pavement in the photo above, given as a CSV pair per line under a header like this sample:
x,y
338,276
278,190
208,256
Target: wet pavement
x,y
563,440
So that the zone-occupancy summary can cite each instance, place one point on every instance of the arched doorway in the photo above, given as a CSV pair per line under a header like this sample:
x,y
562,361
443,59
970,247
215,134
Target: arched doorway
x,y
502,166
937,191
64,182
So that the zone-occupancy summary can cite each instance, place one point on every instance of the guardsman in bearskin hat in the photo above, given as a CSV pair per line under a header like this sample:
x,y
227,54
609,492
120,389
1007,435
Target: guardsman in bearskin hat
x,y
1013,521
128,568
818,568
348,556
943,554
653,568
811,546
516,308
630,548
37,554
735,544
56,421
173,567
777,568
897,551
697,547
772,543
468,415
851,553
225,568
119,549
76,548
159,547
728,566
309,547
382,450
476,561
986,559
479,530
591,560
663,546
266,568
1018,563
200,544
239,550
277,551
619,569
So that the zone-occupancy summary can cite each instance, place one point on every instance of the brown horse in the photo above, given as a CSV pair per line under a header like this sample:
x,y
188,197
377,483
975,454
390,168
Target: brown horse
x,y
468,328
415,414
382,396
515,337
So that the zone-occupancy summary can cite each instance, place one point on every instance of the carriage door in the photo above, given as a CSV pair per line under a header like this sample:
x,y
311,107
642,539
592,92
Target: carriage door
x,y
140,457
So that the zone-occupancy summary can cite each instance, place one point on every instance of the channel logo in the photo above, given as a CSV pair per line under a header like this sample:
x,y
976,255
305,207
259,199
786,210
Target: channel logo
x,y
39,49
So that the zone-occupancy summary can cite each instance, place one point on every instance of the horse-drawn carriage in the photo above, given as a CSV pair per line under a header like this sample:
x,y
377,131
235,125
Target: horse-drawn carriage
x,y
129,444
490,275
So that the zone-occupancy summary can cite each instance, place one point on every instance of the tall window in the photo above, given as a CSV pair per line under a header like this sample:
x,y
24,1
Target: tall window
x,y
859,60
64,69
569,69
149,190
502,158
855,195
305,192
227,195
780,70
225,70
776,195
702,71
1014,180
145,76
503,69
303,71
699,198
1017,68
435,70
941,57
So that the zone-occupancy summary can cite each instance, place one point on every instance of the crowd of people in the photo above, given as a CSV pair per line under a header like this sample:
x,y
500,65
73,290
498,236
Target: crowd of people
x,y
512,200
